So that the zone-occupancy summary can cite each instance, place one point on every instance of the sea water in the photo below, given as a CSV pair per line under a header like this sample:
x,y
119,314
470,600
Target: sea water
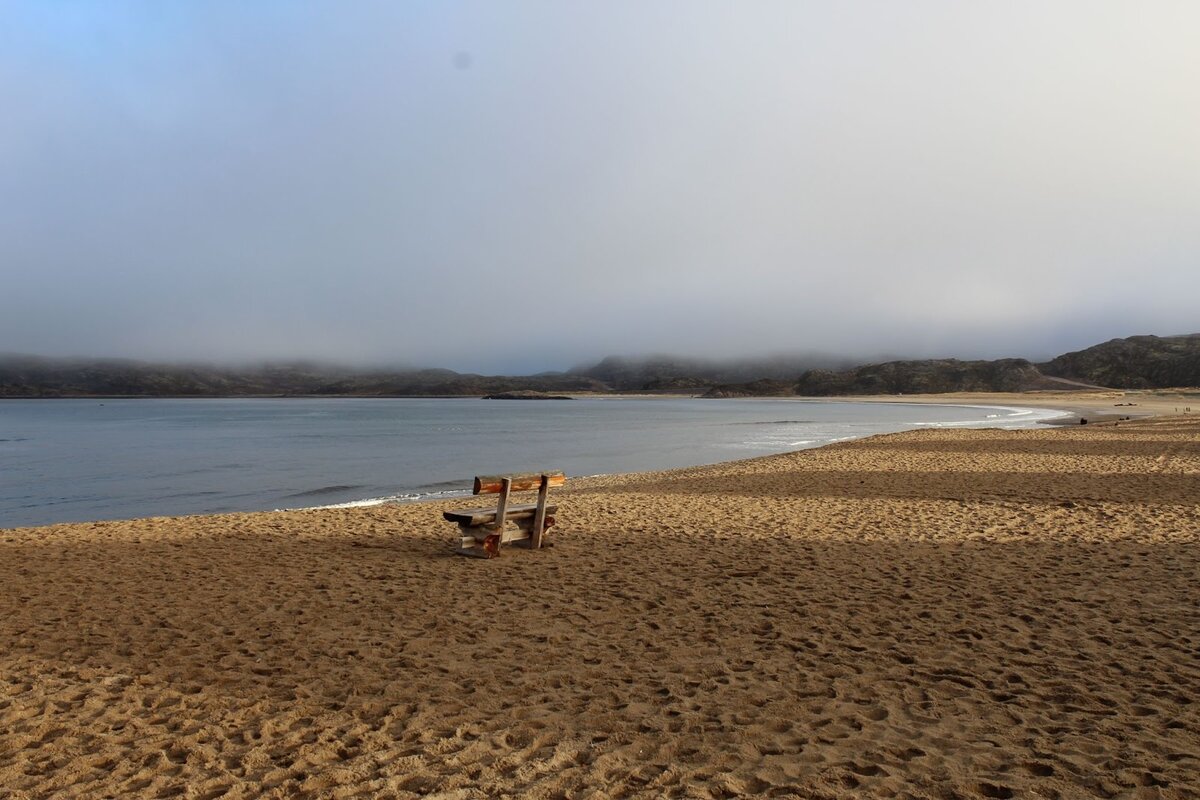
x,y
79,460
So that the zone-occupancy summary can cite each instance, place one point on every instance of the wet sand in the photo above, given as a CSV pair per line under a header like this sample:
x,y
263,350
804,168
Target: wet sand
x,y
1095,406
931,614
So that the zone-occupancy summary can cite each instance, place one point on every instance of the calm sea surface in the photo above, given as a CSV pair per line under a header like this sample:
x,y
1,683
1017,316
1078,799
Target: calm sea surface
x,y
77,460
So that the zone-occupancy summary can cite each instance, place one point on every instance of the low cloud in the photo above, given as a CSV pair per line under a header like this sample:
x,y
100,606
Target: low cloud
x,y
530,187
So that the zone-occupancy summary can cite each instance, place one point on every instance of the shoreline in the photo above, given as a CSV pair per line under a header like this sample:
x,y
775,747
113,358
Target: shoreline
x,y
1072,413
907,612
418,494
700,447
419,497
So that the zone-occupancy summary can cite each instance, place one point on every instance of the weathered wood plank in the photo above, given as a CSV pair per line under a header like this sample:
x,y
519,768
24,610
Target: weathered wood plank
x,y
491,484
482,534
473,517
489,547
502,506
539,517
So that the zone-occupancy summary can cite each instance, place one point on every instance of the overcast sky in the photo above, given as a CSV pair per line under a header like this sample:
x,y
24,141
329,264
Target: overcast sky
x,y
522,186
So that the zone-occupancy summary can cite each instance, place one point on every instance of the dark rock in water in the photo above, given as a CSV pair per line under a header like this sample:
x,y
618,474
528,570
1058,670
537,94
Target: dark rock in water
x,y
524,395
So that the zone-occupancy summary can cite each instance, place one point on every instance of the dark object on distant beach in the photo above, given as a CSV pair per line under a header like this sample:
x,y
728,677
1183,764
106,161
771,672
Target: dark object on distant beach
x,y
524,395
1082,421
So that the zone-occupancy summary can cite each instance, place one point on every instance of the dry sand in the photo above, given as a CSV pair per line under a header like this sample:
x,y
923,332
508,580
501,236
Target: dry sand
x,y
934,614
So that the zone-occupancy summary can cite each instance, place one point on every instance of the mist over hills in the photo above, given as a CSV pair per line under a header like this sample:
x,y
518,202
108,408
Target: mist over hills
x,y
671,373
1137,362
29,376
930,376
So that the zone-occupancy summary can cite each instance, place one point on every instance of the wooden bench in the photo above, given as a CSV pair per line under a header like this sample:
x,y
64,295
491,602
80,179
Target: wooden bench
x,y
483,530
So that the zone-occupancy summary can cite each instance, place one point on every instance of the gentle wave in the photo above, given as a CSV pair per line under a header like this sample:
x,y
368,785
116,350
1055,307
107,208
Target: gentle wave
x,y
328,490
1015,417
405,497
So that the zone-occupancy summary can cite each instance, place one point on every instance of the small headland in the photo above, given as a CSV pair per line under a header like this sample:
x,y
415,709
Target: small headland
x,y
525,394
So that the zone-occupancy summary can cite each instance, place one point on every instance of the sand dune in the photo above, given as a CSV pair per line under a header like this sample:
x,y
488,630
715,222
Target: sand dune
x,y
934,614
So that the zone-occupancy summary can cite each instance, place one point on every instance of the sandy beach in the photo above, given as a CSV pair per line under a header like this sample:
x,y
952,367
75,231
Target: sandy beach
x,y
1100,405
933,614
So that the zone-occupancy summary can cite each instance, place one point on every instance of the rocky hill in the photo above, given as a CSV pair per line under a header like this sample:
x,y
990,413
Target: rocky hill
x,y
1138,362
670,374
25,376
765,387
926,377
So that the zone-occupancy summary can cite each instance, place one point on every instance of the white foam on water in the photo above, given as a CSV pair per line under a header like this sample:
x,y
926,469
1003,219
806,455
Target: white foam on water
x,y
366,502
1012,419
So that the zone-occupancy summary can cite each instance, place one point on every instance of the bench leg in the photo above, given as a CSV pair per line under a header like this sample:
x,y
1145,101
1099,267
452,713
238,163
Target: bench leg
x,y
539,518
469,545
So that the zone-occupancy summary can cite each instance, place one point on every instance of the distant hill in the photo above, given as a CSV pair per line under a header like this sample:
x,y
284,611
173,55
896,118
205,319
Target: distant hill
x,y
1138,362
668,373
930,376
26,376
764,387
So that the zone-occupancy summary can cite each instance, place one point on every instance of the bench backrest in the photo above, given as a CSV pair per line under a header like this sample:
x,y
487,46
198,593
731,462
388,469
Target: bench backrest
x,y
494,484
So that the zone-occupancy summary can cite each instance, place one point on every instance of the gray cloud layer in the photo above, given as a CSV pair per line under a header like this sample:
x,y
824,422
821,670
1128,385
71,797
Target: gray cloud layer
x,y
524,186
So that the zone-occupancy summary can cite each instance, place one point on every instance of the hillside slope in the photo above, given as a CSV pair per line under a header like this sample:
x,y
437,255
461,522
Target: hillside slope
x,y
25,376
930,376
1138,362
670,373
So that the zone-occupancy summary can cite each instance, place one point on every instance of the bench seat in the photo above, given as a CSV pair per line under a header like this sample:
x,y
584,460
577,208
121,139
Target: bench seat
x,y
475,517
